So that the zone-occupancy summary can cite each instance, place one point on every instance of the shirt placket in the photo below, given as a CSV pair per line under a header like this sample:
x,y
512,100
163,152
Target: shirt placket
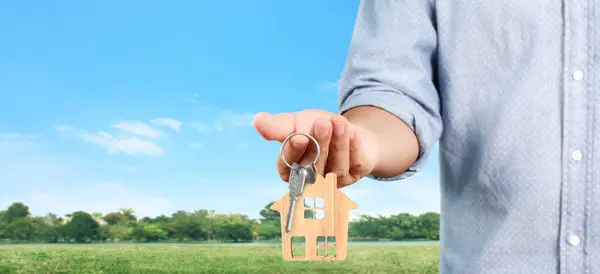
x,y
593,220
575,144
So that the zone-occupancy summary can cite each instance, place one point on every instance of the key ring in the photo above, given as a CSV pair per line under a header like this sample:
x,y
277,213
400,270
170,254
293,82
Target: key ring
x,y
309,137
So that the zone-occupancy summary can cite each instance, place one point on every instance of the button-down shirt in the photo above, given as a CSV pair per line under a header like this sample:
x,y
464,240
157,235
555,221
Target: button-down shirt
x,y
510,90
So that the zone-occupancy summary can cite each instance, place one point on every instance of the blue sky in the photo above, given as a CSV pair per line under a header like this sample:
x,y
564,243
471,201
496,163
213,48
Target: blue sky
x,y
128,104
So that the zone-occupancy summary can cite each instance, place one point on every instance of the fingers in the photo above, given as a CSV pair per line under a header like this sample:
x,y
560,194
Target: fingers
x,y
321,131
277,128
338,159
341,150
274,127
293,151
358,159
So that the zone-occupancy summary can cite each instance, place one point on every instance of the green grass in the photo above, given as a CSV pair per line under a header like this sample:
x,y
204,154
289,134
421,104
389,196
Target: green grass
x,y
209,259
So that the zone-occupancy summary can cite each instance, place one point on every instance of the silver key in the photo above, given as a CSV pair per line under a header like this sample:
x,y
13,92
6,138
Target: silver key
x,y
296,185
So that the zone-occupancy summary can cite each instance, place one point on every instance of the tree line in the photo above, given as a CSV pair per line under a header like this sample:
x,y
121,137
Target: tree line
x,y
17,224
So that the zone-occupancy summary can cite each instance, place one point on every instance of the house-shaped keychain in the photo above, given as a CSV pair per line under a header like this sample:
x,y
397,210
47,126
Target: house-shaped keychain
x,y
325,231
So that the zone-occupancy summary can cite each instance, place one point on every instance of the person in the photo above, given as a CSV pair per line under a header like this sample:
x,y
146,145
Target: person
x,y
509,90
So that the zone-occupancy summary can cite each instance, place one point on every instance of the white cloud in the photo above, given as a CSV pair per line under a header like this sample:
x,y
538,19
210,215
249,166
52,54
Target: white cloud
x,y
192,98
203,127
195,145
20,169
239,119
64,128
225,120
17,136
122,143
60,183
329,86
137,127
129,145
222,119
16,141
168,122
94,197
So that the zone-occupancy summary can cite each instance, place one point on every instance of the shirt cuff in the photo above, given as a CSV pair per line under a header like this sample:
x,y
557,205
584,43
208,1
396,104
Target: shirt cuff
x,y
407,110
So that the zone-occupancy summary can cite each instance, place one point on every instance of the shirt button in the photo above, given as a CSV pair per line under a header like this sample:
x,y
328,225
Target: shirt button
x,y
578,75
573,240
576,155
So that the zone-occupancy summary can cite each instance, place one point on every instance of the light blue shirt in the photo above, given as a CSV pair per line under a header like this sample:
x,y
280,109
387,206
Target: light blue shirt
x,y
510,89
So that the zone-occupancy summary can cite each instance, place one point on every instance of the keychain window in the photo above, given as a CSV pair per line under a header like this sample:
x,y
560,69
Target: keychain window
x,y
314,208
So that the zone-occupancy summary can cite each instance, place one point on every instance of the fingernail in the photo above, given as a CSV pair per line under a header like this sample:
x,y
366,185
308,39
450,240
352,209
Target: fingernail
x,y
298,143
339,128
320,129
256,116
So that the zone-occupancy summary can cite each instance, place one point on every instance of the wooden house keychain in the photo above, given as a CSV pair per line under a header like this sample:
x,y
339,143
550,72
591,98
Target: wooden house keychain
x,y
325,231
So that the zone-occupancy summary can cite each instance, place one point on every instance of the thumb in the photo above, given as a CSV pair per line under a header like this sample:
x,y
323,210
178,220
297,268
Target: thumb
x,y
274,127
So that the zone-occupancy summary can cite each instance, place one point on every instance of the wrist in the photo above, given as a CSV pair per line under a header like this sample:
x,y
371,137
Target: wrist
x,y
389,144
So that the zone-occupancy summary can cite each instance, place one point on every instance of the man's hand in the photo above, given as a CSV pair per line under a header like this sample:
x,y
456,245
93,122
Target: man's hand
x,y
349,151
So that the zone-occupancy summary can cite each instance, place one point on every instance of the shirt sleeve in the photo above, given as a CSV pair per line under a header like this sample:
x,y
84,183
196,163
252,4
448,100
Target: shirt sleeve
x,y
390,66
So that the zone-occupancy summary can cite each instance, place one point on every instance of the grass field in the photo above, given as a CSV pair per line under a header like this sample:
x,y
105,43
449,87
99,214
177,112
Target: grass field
x,y
208,259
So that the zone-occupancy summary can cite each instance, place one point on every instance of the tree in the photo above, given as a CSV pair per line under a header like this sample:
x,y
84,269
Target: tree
x,y
269,215
105,233
309,214
129,214
45,230
162,219
117,232
237,232
430,225
113,218
148,233
146,220
18,224
20,229
368,227
189,226
3,224
269,230
406,223
52,219
15,211
82,227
